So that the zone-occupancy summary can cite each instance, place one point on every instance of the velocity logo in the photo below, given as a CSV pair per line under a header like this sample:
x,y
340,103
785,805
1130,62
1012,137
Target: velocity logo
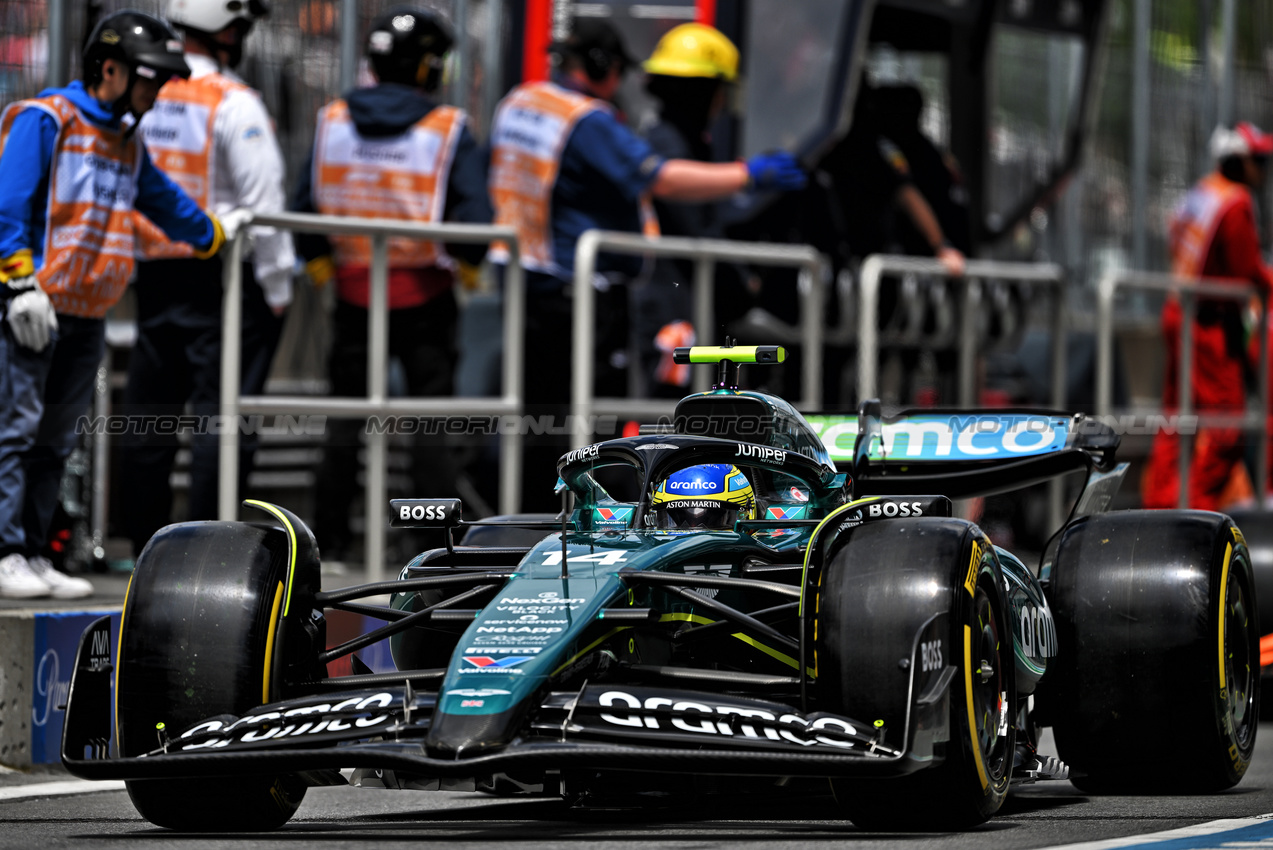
x,y
485,661
794,512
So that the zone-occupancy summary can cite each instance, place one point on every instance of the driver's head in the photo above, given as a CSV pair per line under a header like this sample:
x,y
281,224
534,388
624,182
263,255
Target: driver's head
x,y
708,496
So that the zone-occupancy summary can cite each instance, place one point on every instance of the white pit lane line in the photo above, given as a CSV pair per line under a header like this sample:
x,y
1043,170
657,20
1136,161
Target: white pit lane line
x,y
59,789
1228,834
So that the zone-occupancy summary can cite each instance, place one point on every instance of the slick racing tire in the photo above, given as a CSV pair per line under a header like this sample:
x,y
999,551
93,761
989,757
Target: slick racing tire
x,y
1156,687
197,640
890,582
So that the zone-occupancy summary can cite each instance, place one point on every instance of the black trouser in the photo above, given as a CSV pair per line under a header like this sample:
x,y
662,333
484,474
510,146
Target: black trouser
x,y
547,373
423,339
177,361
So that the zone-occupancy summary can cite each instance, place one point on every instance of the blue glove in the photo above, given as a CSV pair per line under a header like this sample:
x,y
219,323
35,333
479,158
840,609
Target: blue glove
x,y
777,171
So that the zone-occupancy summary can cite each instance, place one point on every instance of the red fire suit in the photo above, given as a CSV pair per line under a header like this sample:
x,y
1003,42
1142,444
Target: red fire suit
x,y
1213,234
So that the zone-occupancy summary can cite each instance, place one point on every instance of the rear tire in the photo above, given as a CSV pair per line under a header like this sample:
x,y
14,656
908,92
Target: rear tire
x,y
203,607
1156,628
875,594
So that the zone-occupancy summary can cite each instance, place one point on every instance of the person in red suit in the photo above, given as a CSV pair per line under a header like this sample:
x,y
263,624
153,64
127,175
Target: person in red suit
x,y
1213,234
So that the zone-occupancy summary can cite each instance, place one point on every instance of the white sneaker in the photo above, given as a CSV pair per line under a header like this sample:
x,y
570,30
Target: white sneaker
x,y
19,581
61,586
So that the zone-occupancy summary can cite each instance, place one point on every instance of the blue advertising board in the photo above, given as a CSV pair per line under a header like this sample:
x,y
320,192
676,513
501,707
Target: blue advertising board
x,y
57,636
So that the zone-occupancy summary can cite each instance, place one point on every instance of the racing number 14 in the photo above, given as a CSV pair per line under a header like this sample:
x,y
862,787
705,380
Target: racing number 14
x,y
605,559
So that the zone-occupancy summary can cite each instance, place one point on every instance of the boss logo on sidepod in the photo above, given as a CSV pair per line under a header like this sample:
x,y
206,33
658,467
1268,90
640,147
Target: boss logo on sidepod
x,y
892,509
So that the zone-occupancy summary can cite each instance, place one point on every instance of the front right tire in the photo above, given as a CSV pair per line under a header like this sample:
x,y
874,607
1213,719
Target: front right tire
x,y
874,596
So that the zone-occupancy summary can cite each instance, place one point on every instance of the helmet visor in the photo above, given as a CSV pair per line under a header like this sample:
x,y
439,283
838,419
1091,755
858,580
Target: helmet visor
x,y
687,514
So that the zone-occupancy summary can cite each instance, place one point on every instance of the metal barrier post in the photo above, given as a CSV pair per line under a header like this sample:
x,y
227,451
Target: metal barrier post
x,y
377,401
231,360
761,253
101,460
510,478
377,394
868,341
1189,290
1262,391
1184,390
810,282
1105,291
582,336
976,272
1056,488
704,320
969,301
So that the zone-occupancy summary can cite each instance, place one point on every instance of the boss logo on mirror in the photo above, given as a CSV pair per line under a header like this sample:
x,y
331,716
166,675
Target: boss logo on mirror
x,y
425,512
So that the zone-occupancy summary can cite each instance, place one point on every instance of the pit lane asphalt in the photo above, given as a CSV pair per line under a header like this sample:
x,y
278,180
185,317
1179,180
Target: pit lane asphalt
x,y
1036,816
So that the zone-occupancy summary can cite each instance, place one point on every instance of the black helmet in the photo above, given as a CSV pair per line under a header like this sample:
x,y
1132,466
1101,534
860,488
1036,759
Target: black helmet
x,y
406,45
146,44
597,46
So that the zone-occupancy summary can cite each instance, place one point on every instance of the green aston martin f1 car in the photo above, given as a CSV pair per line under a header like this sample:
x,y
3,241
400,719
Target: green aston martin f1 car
x,y
732,600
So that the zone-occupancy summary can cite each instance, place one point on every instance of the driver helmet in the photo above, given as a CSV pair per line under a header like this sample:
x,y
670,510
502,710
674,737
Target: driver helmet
x,y
708,496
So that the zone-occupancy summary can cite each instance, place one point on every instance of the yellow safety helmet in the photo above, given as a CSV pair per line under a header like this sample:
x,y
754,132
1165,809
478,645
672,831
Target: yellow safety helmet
x,y
694,50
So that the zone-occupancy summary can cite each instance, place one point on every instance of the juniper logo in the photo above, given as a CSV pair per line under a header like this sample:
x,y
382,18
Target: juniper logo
x,y
761,453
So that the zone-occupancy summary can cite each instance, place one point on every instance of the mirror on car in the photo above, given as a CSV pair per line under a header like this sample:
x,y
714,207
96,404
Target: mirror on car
x,y
425,513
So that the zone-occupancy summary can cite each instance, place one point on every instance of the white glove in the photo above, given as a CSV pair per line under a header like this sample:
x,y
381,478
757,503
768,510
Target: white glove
x,y
31,314
234,221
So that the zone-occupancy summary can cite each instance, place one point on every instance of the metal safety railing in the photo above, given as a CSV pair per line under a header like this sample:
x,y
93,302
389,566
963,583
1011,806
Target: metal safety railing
x,y
377,401
1187,289
704,253
976,272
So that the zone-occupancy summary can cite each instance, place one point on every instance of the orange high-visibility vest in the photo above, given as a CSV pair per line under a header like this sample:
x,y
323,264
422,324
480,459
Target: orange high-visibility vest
x,y
529,133
178,134
398,177
88,237
1195,222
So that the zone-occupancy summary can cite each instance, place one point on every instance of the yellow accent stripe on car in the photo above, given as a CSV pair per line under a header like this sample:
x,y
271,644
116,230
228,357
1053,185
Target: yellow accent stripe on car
x,y
581,653
1224,587
291,536
269,644
804,573
747,639
972,714
119,652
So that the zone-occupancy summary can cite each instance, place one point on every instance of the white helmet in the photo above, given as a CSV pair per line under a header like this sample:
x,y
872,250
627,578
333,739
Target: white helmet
x,y
1244,139
214,15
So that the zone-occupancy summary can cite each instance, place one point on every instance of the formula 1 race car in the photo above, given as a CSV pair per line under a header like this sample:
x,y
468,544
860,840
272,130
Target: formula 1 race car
x,y
718,609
